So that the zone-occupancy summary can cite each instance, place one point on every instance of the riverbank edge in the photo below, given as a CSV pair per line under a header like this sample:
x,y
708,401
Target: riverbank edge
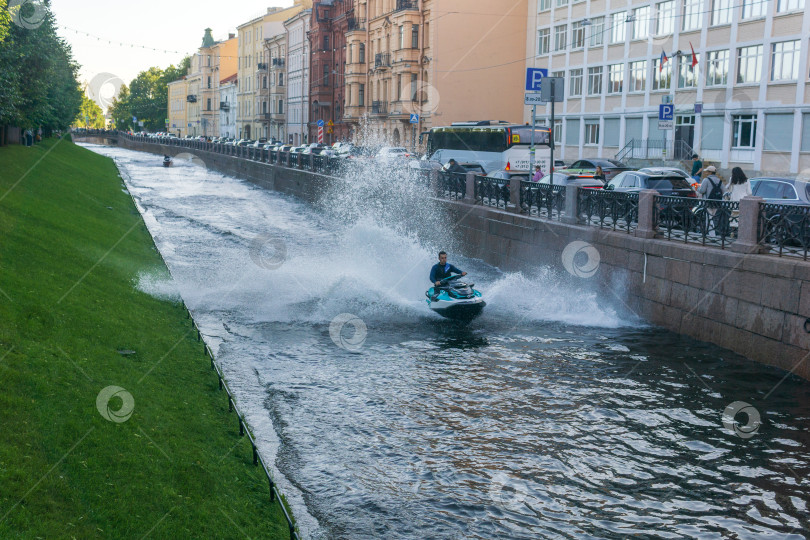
x,y
67,343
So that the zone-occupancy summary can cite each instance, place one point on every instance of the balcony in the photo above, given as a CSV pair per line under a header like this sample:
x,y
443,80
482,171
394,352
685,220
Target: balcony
x,y
356,25
379,107
406,4
382,60
191,98
224,106
261,66
278,62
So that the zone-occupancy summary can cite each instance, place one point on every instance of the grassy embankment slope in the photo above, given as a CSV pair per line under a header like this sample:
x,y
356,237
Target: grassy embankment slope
x,y
72,246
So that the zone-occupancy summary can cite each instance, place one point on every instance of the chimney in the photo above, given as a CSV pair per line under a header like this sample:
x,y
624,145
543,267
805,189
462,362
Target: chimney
x,y
231,36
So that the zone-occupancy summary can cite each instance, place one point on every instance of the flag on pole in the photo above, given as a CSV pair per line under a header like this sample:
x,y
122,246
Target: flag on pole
x,y
663,61
694,58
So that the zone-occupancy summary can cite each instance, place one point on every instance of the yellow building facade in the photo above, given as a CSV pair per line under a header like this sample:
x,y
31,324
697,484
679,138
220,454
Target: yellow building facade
x,y
178,95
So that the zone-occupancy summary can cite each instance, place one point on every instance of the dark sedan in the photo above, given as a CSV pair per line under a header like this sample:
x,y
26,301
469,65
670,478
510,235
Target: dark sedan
x,y
781,190
666,184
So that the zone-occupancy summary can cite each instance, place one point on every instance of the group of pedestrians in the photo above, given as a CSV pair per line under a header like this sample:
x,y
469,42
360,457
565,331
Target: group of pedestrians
x,y
714,188
29,137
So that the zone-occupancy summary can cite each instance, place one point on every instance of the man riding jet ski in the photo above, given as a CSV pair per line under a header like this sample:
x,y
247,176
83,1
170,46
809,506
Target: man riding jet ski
x,y
450,298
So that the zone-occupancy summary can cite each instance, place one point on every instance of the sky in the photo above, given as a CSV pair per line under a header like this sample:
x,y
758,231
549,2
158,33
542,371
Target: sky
x,y
170,25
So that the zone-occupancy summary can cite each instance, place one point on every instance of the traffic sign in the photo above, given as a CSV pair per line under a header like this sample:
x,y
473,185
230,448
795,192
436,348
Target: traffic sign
x,y
534,78
330,123
414,119
554,85
698,108
666,111
666,124
134,119
320,123
533,98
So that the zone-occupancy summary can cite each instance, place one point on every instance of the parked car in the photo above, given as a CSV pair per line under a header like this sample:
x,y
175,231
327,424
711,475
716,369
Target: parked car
x,y
785,228
503,174
390,155
564,179
781,190
469,167
610,167
360,153
666,184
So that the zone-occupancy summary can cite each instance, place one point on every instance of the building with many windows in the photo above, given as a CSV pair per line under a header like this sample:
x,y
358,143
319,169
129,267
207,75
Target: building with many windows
x,y
275,94
443,61
217,61
297,77
227,107
178,99
735,70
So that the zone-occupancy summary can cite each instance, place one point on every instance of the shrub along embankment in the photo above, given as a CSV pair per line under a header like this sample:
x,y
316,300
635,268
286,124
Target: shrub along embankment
x,y
157,456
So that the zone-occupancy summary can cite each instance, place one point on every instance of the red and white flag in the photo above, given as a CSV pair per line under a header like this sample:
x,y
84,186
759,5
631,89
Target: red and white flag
x,y
694,58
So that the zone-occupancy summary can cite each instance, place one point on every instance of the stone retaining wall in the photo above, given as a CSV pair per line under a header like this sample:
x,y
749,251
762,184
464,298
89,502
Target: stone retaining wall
x,y
754,304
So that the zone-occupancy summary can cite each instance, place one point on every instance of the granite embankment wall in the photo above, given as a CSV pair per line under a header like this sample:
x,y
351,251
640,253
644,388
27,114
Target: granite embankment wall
x,y
757,305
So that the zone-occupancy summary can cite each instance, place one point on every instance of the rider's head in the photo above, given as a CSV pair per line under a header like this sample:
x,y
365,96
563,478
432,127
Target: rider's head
x,y
442,257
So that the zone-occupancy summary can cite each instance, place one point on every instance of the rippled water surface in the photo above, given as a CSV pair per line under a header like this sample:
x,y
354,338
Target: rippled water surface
x,y
557,414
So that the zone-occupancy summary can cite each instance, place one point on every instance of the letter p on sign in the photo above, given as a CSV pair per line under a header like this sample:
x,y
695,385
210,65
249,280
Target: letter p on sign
x,y
534,78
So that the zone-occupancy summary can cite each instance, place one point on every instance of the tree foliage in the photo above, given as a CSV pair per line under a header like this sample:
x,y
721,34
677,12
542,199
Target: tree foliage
x,y
147,98
90,115
38,76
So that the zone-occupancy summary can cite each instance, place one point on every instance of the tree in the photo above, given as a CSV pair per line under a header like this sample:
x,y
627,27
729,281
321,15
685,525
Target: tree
x,y
119,110
90,115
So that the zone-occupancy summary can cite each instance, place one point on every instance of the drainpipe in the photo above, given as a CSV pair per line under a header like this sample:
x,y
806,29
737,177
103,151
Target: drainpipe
x,y
419,67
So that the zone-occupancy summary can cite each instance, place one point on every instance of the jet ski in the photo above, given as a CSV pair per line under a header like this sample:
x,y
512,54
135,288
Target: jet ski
x,y
167,161
455,300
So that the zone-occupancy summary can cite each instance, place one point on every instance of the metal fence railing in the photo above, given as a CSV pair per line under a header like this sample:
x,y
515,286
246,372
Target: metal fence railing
x,y
608,209
452,185
784,229
542,200
697,221
491,191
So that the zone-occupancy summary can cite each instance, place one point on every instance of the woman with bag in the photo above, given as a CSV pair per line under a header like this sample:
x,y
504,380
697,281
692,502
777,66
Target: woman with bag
x,y
738,188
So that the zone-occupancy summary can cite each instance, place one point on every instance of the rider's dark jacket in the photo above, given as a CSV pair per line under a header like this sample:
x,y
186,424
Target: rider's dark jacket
x,y
439,272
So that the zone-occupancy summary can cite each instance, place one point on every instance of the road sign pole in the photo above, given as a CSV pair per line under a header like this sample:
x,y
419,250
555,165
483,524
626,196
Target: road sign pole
x,y
551,138
531,147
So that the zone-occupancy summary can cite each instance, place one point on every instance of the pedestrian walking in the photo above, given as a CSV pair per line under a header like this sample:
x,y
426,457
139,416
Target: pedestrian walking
x,y
738,187
599,174
697,167
538,174
29,137
39,134
713,189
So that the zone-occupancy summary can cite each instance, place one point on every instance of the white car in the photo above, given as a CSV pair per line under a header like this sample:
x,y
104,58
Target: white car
x,y
390,155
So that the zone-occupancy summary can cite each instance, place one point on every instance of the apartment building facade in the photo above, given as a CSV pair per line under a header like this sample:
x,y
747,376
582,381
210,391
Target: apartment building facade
x,y
227,107
252,64
275,100
736,72
327,43
217,60
178,101
442,60
297,118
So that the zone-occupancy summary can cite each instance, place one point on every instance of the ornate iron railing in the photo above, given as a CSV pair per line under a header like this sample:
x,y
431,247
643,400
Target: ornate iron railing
x,y
542,199
608,209
491,191
452,185
697,221
784,228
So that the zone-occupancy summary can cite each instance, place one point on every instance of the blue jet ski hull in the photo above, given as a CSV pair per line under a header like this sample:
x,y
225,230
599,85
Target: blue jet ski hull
x,y
464,309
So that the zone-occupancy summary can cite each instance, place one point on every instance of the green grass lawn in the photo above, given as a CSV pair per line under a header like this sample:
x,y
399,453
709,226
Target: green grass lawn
x,y
71,248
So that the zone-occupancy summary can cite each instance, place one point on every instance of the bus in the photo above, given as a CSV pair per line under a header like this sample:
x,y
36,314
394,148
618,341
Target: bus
x,y
493,145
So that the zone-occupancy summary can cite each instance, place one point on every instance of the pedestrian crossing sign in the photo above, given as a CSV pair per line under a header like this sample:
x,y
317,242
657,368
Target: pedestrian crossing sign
x,y
414,119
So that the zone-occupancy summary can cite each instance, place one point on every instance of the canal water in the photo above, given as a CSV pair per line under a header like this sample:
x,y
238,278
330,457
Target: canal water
x,y
556,414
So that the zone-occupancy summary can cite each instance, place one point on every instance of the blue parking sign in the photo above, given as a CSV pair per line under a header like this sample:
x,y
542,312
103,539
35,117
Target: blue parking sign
x,y
666,111
534,77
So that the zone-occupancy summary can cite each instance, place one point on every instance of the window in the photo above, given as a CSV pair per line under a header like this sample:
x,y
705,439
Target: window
x,y
560,37
557,130
591,132
665,19
577,35
264,107
402,36
572,132
415,37
638,76
326,42
209,82
661,77
641,22
617,27
749,64
362,53
414,96
615,78
744,131
721,12
753,8
717,68
281,106
281,79
597,31
595,81
687,75
789,5
545,4
575,83
561,3
778,132
208,104
560,74
361,98
325,79
692,13
785,64
543,41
